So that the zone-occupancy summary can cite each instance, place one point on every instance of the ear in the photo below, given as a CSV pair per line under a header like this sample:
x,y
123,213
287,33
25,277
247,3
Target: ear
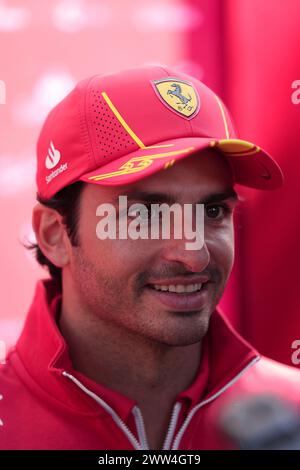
x,y
51,235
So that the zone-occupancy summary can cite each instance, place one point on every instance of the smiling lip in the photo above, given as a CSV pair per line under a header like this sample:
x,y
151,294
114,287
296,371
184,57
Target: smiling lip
x,y
181,302
180,280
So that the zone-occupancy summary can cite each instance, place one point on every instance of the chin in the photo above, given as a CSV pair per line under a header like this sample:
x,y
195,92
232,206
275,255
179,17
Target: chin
x,y
185,335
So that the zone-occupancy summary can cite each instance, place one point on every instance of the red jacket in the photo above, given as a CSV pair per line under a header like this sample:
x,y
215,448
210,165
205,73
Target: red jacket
x,y
46,404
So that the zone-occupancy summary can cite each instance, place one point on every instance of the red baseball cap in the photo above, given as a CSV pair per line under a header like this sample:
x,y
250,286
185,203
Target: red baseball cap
x,y
119,128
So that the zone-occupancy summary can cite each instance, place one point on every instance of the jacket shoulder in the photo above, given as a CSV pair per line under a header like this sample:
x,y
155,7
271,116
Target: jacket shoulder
x,y
269,370
269,376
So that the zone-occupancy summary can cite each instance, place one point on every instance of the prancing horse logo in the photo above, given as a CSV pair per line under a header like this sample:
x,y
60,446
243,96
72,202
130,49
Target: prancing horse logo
x,y
178,95
178,92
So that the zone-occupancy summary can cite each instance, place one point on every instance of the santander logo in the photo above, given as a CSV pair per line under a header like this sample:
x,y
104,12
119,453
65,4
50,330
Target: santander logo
x,y
53,157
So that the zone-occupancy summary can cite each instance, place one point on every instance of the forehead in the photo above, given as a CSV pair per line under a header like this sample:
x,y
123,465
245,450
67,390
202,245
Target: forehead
x,y
205,169
196,176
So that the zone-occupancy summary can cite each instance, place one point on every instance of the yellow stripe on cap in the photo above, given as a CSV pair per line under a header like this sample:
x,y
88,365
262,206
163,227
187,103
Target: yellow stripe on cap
x,y
169,164
223,116
122,121
137,164
128,129
236,147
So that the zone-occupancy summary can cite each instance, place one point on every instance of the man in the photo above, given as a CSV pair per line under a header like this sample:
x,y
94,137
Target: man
x,y
124,347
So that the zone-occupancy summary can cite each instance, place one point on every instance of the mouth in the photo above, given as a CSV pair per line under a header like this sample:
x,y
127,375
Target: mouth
x,y
180,297
178,289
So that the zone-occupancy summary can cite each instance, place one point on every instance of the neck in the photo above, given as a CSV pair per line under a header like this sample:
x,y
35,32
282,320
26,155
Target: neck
x,y
148,372
128,363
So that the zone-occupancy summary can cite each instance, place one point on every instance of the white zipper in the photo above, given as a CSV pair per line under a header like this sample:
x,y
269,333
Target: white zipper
x,y
140,426
108,408
139,420
143,444
172,426
200,405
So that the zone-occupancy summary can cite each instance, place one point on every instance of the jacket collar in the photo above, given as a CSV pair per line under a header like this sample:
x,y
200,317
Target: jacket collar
x,y
42,356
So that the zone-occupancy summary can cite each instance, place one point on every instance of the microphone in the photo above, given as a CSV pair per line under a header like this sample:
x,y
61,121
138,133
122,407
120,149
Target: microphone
x,y
262,422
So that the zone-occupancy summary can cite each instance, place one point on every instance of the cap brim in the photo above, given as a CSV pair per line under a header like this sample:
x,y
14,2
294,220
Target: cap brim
x,y
251,166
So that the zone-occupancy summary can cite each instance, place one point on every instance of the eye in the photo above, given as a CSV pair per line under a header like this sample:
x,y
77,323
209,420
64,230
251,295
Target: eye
x,y
217,211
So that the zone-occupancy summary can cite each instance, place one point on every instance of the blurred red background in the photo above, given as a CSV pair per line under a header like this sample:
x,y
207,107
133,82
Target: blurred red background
x,y
246,50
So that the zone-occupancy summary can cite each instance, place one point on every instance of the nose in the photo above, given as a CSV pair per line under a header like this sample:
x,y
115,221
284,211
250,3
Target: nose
x,y
193,260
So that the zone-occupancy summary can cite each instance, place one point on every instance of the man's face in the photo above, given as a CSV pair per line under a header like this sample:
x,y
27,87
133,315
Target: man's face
x,y
124,281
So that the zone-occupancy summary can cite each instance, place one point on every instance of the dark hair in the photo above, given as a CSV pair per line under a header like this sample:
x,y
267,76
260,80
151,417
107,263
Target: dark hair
x,y
66,203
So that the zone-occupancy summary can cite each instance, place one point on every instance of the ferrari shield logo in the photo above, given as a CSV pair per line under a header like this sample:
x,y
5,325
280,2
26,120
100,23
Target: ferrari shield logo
x,y
178,95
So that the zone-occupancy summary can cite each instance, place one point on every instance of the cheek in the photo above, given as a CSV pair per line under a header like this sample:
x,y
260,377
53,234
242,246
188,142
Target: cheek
x,y
220,244
119,258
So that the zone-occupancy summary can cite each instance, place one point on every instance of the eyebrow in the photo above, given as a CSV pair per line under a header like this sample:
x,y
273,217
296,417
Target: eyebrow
x,y
158,197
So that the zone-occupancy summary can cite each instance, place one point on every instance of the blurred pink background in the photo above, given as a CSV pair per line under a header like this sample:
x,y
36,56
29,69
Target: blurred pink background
x,y
246,50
